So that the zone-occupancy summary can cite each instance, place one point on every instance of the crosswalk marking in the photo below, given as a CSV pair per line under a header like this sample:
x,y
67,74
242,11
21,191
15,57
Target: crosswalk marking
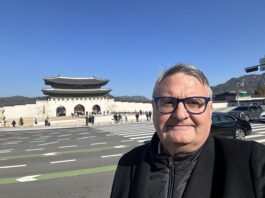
x,y
144,131
261,141
253,136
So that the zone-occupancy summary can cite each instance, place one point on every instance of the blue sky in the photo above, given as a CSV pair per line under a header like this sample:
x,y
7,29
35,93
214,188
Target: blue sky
x,y
128,42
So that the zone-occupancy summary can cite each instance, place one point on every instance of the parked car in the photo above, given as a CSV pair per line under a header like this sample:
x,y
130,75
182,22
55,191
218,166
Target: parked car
x,y
248,112
262,117
226,125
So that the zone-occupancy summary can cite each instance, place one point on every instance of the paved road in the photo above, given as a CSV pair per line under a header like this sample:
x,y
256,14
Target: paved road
x,y
143,132
59,162
77,162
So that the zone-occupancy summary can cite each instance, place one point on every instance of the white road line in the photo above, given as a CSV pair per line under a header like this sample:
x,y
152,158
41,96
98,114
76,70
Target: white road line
x,y
64,135
141,141
120,146
135,135
85,137
86,133
116,155
141,137
50,154
37,141
6,151
254,136
37,149
22,138
260,141
63,161
260,132
14,166
13,142
126,140
43,137
257,130
99,143
70,146
63,139
48,143
28,178
112,134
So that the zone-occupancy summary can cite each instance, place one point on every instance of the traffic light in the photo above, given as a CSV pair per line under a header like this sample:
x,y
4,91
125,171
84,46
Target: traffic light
x,y
252,69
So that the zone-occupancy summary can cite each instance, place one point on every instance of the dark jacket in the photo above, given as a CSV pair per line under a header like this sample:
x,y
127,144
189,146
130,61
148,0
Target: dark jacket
x,y
226,168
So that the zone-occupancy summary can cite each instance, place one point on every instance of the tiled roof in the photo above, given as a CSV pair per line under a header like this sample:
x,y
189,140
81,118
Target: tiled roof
x,y
73,92
75,81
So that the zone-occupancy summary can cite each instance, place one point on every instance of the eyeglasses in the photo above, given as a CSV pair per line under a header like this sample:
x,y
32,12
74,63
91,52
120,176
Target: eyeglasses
x,y
193,105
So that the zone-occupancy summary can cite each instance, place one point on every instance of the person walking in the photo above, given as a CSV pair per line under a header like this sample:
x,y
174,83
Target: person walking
x,y
21,122
137,117
14,123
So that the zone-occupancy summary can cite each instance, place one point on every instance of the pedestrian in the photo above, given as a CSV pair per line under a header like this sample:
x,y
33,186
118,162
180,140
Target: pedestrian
x,y
115,117
86,119
46,122
21,122
150,115
89,120
14,123
120,117
126,117
35,121
137,117
183,160
147,115
92,119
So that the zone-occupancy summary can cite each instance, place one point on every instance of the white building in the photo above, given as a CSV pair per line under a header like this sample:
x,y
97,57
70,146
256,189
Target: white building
x,y
74,96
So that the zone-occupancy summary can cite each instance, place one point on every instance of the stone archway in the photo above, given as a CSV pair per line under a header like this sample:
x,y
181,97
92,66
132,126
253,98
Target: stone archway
x,y
60,111
96,109
79,110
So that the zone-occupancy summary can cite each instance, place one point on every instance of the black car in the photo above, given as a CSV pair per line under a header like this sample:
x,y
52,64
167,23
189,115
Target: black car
x,y
226,125
248,112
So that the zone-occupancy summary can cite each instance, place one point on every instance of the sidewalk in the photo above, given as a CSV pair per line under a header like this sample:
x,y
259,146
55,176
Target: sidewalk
x,y
78,122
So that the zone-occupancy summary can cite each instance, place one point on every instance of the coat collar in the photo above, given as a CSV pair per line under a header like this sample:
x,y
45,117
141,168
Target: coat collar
x,y
200,182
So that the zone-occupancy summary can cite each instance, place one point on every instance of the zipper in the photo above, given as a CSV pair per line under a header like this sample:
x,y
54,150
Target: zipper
x,y
171,178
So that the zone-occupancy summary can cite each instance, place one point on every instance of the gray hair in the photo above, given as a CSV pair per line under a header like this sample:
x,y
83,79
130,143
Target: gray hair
x,y
186,69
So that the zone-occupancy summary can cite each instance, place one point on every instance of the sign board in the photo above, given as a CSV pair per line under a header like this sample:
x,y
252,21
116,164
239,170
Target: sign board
x,y
252,69
262,61
262,67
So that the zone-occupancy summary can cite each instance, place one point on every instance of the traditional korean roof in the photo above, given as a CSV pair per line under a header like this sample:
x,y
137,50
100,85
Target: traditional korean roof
x,y
90,81
75,92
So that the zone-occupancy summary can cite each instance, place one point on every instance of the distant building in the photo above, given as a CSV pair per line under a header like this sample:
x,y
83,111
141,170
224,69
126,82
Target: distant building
x,y
79,93
75,87
226,96
69,96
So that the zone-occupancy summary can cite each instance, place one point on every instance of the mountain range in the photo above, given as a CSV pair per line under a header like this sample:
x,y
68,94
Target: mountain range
x,y
249,83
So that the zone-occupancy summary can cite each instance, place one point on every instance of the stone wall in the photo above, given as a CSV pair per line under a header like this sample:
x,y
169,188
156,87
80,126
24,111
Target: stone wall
x,y
47,108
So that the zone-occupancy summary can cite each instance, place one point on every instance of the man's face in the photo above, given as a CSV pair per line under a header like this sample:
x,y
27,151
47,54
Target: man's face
x,y
180,131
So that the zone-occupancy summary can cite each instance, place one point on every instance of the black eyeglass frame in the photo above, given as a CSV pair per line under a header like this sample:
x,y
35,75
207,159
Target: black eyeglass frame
x,y
178,100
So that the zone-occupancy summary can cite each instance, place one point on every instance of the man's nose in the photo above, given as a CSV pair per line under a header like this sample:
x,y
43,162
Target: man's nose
x,y
180,112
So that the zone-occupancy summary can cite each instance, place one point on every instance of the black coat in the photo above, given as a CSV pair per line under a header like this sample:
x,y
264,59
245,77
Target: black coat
x,y
226,168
